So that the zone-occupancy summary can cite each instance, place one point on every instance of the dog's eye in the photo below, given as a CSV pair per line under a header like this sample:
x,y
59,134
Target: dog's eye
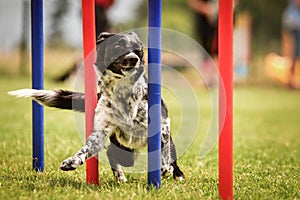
x,y
117,46
139,53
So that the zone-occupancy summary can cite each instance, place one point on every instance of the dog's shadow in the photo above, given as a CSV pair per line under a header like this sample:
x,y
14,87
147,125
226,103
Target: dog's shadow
x,y
78,184
105,183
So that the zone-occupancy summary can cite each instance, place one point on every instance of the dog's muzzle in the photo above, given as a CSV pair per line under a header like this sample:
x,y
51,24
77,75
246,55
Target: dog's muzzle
x,y
130,61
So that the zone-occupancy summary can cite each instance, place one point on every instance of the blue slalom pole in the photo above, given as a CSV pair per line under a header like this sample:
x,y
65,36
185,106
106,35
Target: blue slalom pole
x,y
154,92
37,48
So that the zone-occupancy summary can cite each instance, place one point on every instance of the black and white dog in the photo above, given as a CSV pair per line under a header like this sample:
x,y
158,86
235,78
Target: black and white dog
x,y
121,113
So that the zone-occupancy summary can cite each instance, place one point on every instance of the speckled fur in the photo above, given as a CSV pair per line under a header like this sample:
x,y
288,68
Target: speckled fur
x,y
122,110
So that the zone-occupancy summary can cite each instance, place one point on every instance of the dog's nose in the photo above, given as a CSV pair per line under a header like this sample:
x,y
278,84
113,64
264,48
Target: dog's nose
x,y
132,61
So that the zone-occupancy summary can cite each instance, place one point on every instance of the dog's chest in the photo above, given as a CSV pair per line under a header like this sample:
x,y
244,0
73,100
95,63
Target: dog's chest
x,y
124,106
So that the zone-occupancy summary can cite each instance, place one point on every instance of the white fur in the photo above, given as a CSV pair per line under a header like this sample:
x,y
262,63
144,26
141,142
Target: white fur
x,y
31,93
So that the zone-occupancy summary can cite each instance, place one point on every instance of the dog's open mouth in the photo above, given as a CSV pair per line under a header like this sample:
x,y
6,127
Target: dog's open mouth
x,y
126,69
121,68
125,64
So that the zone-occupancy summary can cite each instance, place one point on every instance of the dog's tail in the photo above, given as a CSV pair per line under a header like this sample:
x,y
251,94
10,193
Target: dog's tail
x,y
54,98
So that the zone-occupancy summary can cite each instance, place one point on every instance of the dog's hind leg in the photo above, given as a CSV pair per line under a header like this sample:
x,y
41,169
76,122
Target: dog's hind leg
x,y
94,144
166,168
177,173
168,153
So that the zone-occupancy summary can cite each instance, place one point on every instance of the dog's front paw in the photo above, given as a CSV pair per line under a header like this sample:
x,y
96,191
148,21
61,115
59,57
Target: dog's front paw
x,y
120,176
71,163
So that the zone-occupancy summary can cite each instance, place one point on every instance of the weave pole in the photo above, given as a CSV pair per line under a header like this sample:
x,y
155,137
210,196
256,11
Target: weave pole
x,y
226,100
37,56
154,92
89,46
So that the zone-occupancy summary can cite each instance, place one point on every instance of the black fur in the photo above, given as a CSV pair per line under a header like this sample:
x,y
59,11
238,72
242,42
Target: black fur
x,y
122,110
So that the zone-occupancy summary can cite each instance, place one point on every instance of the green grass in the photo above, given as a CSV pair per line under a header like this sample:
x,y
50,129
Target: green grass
x,y
266,145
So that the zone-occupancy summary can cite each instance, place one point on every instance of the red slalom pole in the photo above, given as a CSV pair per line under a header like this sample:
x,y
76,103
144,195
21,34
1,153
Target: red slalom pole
x,y
89,46
226,100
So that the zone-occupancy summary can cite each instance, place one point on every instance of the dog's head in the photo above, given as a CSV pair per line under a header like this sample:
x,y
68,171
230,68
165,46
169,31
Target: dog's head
x,y
119,53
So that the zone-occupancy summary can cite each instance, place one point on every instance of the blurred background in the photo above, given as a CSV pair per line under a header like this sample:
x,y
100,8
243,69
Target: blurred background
x,y
258,32
266,102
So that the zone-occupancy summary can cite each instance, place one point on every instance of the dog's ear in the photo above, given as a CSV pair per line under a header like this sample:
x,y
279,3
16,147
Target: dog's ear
x,y
102,36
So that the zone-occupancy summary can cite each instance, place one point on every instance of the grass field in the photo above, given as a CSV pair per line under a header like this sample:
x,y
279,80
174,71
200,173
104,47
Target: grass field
x,y
266,152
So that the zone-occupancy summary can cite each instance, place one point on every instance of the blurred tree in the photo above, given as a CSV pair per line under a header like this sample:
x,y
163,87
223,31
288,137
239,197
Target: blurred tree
x,y
176,15
24,54
56,36
266,21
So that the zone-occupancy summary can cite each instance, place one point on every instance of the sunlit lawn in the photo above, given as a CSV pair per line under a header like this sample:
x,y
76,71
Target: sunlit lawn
x,y
266,151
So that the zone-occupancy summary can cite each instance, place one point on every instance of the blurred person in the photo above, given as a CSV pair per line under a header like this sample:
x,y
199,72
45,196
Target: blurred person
x,y
206,24
291,35
101,20
206,18
102,25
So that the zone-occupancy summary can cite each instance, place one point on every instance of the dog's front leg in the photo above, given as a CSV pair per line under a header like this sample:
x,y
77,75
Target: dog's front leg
x,y
94,144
